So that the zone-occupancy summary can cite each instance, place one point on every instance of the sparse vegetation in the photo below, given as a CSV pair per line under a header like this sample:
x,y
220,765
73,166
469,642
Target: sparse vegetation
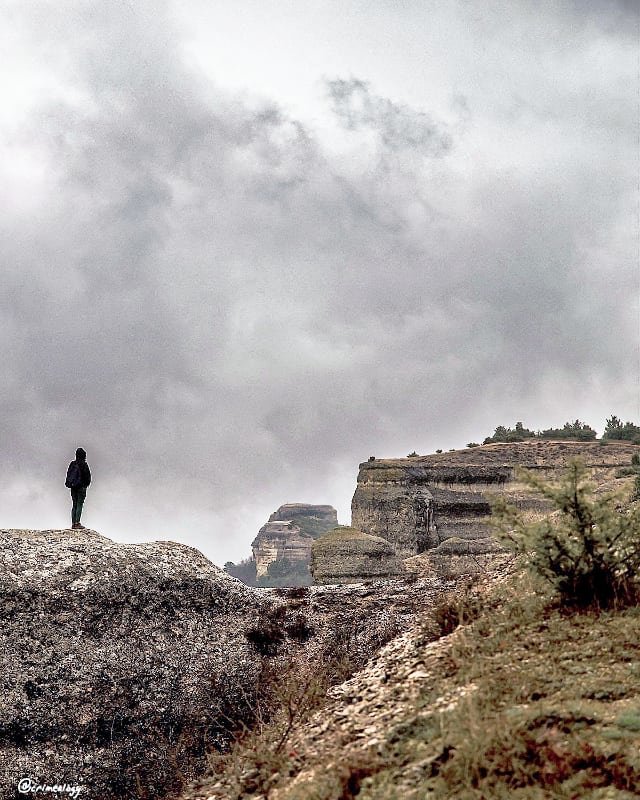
x,y
244,570
577,430
458,608
285,573
529,702
534,694
473,444
589,550
616,430
525,728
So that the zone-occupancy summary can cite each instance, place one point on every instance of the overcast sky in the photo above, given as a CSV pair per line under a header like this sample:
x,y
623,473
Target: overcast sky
x,y
245,245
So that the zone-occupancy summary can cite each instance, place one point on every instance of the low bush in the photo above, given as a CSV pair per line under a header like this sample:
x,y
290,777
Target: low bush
x,y
266,637
588,550
300,629
457,608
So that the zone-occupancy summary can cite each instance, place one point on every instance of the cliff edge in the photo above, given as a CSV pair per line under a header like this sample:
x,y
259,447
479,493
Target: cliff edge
x,y
440,503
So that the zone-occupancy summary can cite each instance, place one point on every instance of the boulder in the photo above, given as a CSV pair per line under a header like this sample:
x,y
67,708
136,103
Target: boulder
x,y
121,663
346,555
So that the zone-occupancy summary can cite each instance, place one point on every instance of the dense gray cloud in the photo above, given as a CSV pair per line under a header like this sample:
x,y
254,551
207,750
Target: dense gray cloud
x,y
229,313
399,127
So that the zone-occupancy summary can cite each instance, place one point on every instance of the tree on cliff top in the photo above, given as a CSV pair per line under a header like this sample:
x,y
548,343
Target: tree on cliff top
x,y
616,430
570,430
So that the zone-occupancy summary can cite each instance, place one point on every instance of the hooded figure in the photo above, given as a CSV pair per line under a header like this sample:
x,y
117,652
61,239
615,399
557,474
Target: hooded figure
x,y
78,478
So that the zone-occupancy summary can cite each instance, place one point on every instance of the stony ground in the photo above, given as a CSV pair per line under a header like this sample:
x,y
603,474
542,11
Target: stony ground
x,y
523,702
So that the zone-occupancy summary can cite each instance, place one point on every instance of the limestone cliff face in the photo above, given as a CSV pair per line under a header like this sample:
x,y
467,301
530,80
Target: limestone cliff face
x,y
282,548
346,555
281,541
120,663
419,503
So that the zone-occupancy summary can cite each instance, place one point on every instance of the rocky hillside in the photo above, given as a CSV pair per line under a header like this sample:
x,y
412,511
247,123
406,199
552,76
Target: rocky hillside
x,y
124,664
440,502
521,701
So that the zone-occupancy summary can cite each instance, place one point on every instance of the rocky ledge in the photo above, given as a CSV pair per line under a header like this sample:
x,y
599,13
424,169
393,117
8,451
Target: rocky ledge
x,y
121,663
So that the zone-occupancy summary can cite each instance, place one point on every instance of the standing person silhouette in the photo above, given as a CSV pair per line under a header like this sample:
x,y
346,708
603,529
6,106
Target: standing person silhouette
x,y
78,478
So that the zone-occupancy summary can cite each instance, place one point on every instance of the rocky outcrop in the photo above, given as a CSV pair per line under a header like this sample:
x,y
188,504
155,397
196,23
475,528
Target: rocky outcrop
x,y
121,663
346,555
282,548
419,504
311,519
281,543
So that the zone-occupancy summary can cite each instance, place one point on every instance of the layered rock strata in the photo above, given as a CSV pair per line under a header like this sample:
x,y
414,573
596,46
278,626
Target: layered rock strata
x,y
282,548
281,541
346,555
123,664
441,502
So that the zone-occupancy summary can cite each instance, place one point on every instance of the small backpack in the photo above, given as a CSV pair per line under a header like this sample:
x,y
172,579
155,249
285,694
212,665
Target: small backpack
x,y
74,476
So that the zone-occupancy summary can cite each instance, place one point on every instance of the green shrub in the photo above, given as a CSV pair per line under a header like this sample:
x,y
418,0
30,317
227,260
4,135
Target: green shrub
x,y
589,550
626,472
615,429
473,444
244,571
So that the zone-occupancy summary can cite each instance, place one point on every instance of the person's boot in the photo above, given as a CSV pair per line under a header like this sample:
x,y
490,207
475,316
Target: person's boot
x,y
81,527
76,526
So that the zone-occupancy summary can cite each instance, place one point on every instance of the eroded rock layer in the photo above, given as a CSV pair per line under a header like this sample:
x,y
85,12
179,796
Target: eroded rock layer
x,y
281,541
441,502
282,548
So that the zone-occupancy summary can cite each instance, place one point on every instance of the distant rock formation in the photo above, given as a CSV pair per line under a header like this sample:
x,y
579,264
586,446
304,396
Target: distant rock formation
x,y
282,548
119,662
440,503
311,519
346,555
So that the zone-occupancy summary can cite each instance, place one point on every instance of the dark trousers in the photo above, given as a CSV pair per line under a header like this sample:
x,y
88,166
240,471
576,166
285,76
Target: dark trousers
x,y
77,496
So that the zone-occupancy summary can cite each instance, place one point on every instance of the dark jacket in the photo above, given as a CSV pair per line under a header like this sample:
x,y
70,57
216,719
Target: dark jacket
x,y
85,472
